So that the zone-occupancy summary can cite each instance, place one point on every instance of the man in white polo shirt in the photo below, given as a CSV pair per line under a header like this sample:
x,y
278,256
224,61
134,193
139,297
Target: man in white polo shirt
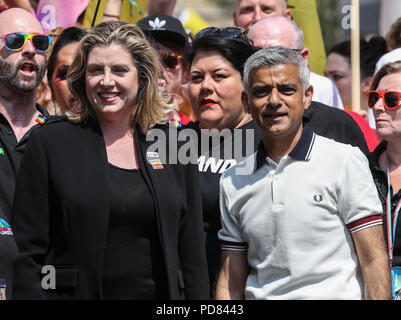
x,y
301,218
280,31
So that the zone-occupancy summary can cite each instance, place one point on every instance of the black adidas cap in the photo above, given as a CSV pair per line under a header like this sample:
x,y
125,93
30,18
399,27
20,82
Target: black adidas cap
x,y
161,27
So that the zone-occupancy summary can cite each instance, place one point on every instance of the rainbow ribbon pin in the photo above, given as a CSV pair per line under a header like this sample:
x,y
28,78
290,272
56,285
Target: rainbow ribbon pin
x,y
41,119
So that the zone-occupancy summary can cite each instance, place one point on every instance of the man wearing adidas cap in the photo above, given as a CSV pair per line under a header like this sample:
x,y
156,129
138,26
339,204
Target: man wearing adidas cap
x,y
168,37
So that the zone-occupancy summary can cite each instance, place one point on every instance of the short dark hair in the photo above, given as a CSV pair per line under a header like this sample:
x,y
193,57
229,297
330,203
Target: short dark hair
x,y
235,50
371,52
67,36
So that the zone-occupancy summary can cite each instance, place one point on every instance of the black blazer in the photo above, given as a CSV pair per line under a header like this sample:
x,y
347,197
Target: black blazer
x,y
61,211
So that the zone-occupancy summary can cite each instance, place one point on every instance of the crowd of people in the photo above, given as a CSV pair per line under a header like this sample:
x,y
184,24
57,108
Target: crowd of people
x,y
288,194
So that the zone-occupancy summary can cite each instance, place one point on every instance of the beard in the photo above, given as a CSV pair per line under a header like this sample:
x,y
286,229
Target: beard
x,y
9,75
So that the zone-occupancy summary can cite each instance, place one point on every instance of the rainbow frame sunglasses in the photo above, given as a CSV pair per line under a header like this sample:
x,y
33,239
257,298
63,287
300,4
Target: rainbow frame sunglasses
x,y
16,41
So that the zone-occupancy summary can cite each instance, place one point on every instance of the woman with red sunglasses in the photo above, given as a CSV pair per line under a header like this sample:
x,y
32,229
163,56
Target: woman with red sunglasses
x,y
385,161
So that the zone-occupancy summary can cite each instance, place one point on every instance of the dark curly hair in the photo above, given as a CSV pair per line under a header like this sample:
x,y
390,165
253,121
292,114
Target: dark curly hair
x,y
235,50
371,52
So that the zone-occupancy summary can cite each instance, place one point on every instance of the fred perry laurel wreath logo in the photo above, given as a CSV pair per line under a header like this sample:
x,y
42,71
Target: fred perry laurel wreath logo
x,y
318,198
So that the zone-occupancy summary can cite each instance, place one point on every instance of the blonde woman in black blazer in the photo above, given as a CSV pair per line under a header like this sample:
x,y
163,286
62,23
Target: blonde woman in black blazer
x,y
93,203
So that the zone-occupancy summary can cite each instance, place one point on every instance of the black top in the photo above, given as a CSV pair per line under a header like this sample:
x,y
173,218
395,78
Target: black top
x,y
335,124
212,162
61,213
133,264
11,151
380,179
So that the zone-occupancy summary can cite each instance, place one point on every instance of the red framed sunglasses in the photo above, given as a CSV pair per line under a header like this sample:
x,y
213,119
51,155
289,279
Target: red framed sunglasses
x,y
391,99
171,60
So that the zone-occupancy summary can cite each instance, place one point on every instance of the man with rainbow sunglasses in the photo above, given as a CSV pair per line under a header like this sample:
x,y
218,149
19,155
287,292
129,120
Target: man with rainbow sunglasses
x,y
23,48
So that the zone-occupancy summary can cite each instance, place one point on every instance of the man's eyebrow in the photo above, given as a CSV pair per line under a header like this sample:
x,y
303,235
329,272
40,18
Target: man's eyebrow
x,y
287,84
260,87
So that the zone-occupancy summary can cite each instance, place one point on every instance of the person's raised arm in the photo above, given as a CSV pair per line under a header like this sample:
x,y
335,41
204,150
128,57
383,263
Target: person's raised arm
x,y
112,11
24,4
160,6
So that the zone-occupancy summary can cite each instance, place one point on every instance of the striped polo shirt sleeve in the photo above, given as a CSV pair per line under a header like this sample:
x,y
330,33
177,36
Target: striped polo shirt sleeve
x,y
364,223
230,234
359,203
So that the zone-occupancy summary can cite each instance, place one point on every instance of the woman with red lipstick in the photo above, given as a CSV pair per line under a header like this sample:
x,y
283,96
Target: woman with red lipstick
x,y
216,59
57,68
93,203
385,161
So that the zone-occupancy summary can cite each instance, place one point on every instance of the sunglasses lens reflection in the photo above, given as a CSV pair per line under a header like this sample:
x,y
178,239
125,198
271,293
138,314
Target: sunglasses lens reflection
x,y
41,42
229,32
391,99
373,97
15,41
232,32
171,61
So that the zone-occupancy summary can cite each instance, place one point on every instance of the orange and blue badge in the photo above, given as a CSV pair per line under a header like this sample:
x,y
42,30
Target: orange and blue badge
x,y
41,119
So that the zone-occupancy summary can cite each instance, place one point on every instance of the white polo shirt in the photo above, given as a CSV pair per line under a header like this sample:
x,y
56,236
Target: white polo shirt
x,y
295,219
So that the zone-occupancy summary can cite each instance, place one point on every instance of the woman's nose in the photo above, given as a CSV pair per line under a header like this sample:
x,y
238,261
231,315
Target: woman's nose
x,y
107,79
206,84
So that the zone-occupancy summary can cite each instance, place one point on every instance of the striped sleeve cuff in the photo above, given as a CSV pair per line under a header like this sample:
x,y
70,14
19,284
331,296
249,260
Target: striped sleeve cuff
x,y
233,246
365,223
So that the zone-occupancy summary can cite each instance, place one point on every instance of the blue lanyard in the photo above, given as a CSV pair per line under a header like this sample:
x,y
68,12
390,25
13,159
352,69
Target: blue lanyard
x,y
391,226
391,223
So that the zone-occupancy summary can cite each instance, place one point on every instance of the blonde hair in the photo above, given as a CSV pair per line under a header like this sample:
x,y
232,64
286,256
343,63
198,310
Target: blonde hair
x,y
150,108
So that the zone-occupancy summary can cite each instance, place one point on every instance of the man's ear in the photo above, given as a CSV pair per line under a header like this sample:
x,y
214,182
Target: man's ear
x,y
305,53
287,14
244,99
308,96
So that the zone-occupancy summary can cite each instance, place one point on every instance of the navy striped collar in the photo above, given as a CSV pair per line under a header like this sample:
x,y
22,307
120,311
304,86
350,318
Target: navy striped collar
x,y
301,151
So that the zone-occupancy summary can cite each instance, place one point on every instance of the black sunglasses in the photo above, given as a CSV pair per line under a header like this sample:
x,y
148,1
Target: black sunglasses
x,y
62,72
229,32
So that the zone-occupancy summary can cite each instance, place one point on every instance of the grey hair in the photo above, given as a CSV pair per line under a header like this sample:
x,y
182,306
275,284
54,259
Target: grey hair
x,y
273,56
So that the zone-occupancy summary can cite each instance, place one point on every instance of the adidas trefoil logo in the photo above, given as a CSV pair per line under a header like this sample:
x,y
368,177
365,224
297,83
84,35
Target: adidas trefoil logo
x,y
157,24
